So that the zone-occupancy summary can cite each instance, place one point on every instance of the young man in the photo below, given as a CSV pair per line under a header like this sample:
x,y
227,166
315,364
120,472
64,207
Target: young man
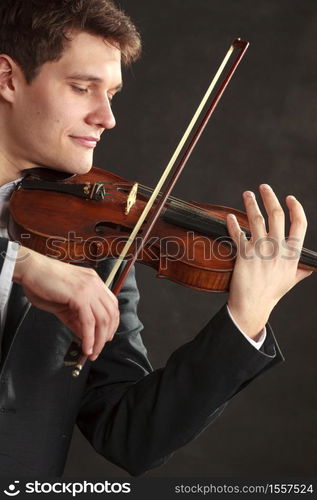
x,y
60,67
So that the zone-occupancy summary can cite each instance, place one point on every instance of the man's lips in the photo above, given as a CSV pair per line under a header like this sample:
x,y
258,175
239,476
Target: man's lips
x,y
88,142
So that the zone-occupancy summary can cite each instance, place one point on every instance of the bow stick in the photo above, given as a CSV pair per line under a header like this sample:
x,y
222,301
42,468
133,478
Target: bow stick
x,y
239,45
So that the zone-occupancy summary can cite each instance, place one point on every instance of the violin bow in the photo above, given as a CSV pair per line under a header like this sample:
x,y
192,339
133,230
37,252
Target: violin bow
x,y
240,47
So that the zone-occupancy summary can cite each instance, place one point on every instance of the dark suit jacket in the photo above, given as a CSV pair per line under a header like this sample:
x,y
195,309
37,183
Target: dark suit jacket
x,y
133,416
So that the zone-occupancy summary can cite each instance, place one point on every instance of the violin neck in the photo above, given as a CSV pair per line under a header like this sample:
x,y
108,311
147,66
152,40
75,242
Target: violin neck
x,y
308,258
195,219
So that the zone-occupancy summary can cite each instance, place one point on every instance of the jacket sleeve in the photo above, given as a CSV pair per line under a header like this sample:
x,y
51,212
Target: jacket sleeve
x,y
136,417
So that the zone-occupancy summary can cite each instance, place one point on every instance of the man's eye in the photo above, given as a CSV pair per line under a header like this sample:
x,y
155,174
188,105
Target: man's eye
x,y
80,90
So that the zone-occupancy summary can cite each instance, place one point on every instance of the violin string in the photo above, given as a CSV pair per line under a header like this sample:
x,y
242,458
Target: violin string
x,y
187,205
203,211
175,200
191,208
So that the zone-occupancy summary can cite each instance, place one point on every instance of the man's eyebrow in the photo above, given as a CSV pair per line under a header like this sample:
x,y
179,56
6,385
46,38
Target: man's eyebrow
x,y
92,78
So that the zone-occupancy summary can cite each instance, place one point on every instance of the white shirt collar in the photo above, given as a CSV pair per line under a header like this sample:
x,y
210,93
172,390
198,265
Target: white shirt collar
x,y
5,193
7,188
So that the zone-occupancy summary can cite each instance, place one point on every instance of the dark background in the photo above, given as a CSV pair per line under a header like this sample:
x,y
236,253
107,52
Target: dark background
x,y
264,130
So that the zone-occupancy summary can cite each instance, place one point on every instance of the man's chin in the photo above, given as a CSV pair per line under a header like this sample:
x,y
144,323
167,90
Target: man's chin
x,y
81,169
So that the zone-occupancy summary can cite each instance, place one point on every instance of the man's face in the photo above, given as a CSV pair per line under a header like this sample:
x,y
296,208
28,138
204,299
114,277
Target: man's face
x,y
58,119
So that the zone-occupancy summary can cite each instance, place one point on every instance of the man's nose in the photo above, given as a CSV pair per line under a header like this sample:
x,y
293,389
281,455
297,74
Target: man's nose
x,y
102,116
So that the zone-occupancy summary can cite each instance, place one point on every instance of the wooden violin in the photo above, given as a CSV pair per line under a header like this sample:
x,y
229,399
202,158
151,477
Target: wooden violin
x,y
87,218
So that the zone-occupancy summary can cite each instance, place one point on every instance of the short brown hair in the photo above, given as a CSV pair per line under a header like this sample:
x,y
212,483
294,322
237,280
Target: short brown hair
x,y
33,32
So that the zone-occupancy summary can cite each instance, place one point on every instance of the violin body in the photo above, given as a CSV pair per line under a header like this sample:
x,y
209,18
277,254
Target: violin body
x,y
189,243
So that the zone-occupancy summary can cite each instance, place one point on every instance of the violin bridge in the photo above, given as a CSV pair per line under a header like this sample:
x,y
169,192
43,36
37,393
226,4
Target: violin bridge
x,y
131,198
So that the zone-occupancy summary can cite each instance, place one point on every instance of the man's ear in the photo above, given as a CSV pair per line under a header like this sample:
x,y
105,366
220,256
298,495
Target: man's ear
x,y
8,73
